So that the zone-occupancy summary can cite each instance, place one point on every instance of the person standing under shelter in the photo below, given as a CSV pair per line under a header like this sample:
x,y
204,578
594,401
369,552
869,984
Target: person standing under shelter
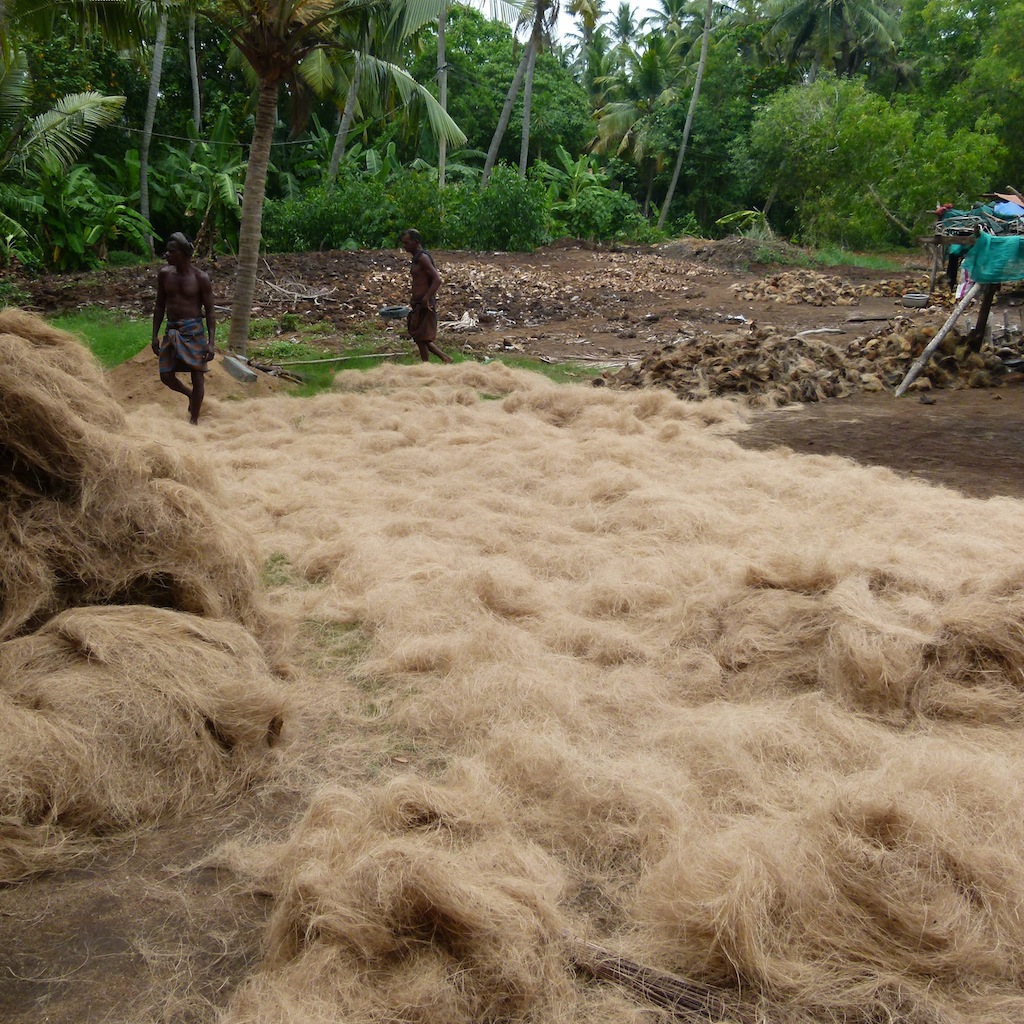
x,y
421,322
184,293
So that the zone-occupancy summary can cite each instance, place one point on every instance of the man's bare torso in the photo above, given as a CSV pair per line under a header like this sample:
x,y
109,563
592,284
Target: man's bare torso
x,y
421,268
183,292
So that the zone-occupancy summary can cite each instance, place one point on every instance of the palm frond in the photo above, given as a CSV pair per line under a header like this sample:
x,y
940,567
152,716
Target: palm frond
x,y
317,72
61,133
408,89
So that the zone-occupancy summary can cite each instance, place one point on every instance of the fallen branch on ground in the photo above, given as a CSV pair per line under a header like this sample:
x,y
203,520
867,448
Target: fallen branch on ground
x,y
686,999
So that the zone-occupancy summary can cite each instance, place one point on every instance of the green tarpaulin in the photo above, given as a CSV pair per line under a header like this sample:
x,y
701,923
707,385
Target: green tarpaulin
x,y
994,259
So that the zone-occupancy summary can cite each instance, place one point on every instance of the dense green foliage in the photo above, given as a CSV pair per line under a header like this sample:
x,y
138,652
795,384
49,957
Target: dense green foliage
x,y
363,212
837,123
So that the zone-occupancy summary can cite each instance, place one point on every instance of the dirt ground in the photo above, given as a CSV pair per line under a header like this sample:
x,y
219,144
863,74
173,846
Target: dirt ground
x,y
609,307
80,946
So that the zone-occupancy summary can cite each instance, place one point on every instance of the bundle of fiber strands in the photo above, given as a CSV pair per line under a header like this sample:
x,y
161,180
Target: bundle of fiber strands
x,y
122,716
92,514
413,902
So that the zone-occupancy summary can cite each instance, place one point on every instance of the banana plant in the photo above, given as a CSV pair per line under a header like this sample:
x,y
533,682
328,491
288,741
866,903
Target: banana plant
x,y
207,190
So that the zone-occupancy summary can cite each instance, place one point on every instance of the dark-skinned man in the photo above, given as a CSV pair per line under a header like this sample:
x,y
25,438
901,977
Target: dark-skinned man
x,y
185,295
422,321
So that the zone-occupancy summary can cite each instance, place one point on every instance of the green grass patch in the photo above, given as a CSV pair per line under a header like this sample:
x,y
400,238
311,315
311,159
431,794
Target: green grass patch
x,y
277,570
774,254
285,350
111,337
329,647
12,294
560,373
836,257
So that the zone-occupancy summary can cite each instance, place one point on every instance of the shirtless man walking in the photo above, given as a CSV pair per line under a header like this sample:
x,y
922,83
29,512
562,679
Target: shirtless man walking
x,y
185,294
421,323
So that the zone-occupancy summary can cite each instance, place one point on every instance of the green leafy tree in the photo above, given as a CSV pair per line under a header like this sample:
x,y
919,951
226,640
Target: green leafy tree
x,y
838,155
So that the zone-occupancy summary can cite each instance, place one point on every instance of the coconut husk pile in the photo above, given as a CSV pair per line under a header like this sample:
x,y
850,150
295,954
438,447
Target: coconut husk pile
x,y
795,286
771,368
896,287
132,678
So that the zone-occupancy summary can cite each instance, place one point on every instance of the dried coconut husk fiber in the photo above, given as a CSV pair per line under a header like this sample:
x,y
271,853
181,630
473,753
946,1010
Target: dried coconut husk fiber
x,y
92,513
750,718
133,635
119,717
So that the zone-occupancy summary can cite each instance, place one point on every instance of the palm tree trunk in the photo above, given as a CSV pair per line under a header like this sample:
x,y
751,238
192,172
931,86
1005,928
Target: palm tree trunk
x,y
689,115
524,148
253,193
506,114
193,73
147,126
346,122
442,90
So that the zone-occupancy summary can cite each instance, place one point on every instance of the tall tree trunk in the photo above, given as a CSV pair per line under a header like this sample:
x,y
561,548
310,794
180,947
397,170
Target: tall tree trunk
x,y
346,122
442,90
506,113
524,147
689,115
650,189
193,73
147,125
253,192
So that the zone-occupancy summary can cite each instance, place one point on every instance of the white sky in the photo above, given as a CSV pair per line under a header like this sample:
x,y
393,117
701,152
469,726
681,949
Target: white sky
x,y
566,22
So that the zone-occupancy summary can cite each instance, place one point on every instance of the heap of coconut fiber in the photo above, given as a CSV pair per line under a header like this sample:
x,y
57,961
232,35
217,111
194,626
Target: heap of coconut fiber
x,y
92,514
770,368
413,902
118,717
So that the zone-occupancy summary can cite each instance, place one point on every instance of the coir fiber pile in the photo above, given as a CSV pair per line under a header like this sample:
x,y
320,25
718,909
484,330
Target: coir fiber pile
x,y
131,685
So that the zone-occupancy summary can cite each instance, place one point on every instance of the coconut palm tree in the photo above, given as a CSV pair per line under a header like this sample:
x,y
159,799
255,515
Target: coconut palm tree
x,y
701,63
156,70
541,16
836,32
121,22
370,47
628,123
275,37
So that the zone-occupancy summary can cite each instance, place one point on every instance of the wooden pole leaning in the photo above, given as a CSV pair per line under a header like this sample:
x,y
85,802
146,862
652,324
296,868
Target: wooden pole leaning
x,y
922,359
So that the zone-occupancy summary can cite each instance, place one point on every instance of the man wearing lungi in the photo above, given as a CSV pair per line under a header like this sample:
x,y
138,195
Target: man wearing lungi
x,y
421,323
185,294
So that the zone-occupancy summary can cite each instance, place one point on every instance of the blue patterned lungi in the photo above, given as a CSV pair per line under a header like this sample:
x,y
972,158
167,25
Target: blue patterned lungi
x,y
184,347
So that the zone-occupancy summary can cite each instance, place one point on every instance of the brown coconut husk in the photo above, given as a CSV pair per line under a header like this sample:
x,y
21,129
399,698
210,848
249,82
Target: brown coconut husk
x,y
120,717
93,514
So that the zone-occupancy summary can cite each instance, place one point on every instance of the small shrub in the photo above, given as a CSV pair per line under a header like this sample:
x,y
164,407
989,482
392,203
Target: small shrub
x,y
509,215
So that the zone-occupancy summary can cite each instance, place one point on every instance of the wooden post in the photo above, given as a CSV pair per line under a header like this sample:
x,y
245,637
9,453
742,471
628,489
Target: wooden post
x,y
937,249
922,360
974,339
